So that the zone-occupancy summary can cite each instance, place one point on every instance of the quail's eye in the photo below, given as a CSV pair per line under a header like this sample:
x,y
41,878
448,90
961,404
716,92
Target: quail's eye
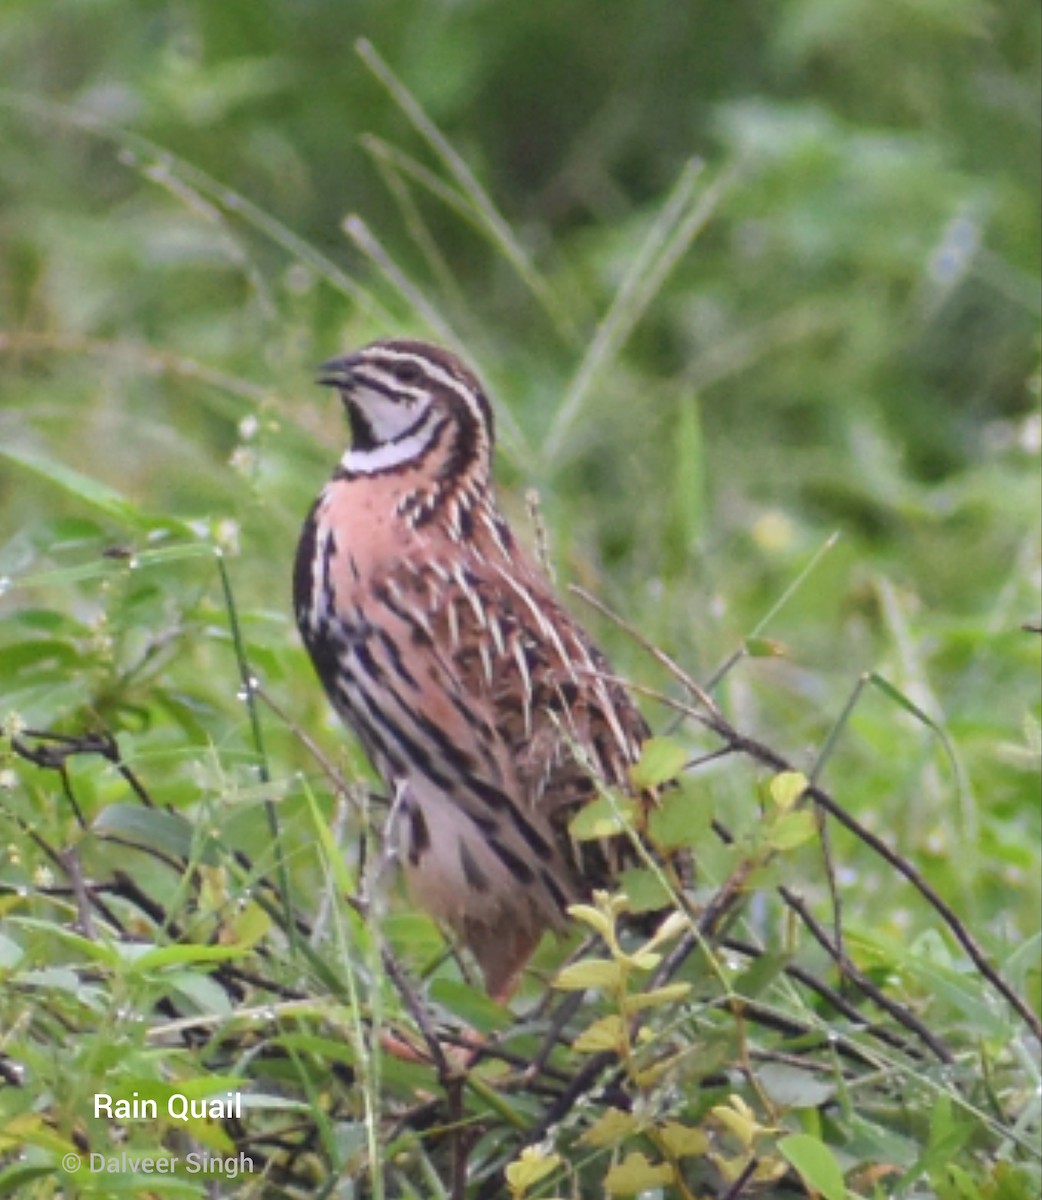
x,y
408,372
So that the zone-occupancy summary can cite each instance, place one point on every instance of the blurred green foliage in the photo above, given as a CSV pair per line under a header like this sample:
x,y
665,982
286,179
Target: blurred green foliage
x,y
741,277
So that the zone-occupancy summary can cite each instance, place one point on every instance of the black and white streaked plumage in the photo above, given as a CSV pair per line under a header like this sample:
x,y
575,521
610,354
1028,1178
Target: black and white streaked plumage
x,y
482,704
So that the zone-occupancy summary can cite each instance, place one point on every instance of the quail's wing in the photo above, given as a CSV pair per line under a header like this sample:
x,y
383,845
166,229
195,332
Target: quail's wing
x,y
444,657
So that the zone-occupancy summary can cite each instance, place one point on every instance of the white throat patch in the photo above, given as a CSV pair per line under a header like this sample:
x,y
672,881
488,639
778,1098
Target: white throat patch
x,y
391,454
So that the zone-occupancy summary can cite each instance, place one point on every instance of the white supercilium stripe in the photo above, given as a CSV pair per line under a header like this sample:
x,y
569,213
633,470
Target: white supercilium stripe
x,y
432,370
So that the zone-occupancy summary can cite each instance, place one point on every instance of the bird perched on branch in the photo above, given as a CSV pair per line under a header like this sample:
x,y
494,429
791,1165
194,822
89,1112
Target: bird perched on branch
x,y
482,704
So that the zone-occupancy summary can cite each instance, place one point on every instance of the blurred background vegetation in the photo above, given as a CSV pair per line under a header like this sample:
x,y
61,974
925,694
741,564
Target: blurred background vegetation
x,y
740,276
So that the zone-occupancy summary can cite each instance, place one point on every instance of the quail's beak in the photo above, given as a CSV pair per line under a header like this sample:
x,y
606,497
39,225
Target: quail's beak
x,y
337,372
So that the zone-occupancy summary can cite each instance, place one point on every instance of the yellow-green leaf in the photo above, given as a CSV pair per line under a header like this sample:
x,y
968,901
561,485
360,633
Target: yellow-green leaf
x,y
596,918
213,888
527,1170
761,647
635,1174
589,973
648,1077
610,1128
681,1141
661,759
656,998
642,960
248,927
787,787
606,1033
739,1118
672,926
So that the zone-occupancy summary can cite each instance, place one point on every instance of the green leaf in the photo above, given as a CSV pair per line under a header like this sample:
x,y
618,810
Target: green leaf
x,y
470,1004
1013,1182
332,1049
909,705
959,990
35,656
151,958
81,487
815,1163
681,819
1024,969
687,495
791,829
868,1140
10,952
760,974
645,889
17,1180
953,1183
249,926
605,817
62,979
792,1087
333,857
661,760
91,950
948,1135
152,828
203,993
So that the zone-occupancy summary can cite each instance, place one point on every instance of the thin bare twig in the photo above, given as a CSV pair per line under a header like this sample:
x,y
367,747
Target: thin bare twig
x,y
679,674
739,1185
